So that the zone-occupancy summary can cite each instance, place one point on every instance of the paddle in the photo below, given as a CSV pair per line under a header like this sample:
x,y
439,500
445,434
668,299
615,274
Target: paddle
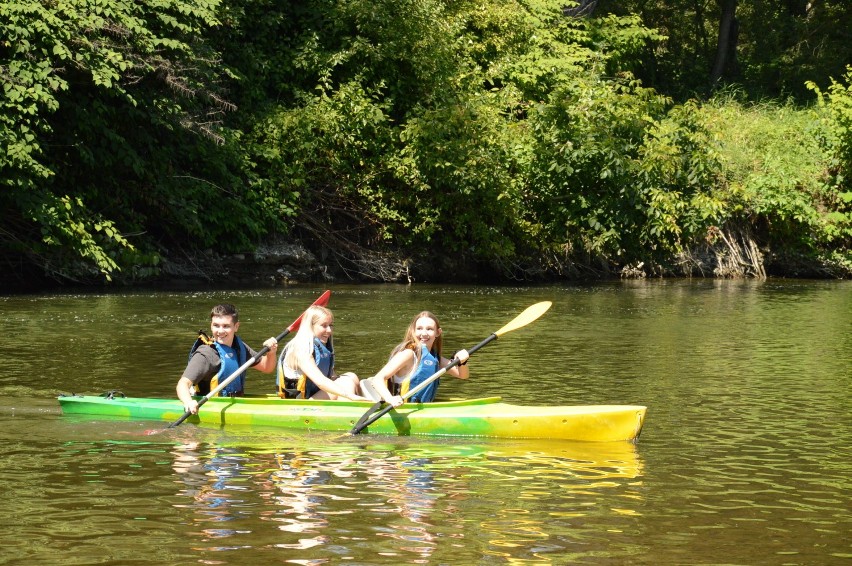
x,y
321,301
529,315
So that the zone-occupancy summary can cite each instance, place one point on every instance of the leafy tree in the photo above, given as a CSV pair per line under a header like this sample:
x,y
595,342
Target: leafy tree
x,y
515,138
98,100
770,47
385,150
835,137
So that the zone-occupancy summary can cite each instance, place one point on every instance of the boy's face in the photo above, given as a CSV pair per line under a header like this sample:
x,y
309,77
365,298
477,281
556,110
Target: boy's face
x,y
223,329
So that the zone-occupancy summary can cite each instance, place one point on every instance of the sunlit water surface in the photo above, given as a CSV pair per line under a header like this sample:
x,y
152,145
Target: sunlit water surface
x,y
746,455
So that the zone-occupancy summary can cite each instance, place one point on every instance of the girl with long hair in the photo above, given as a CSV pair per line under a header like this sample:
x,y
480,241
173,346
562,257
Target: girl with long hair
x,y
414,360
307,362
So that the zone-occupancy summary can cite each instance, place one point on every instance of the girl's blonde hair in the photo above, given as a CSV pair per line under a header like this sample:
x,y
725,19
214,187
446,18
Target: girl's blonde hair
x,y
410,340
303,341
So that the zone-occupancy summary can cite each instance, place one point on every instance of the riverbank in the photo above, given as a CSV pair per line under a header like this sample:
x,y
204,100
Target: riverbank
x,y
288,263
292,263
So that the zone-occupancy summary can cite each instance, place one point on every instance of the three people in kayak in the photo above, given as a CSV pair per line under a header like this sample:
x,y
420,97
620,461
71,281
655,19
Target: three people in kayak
x,y
306,369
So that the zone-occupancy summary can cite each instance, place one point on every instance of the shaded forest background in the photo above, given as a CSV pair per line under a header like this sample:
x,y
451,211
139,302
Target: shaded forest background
x,y
429,140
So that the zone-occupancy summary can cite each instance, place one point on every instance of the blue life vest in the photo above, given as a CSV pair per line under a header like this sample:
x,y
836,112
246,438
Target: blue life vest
x,y
324,358
231,359
428,365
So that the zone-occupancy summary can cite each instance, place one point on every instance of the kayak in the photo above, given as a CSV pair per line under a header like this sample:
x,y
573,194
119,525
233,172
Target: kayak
x,y
486,417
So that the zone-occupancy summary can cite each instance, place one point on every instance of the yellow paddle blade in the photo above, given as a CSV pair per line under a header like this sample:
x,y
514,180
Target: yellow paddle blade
x,y
526,317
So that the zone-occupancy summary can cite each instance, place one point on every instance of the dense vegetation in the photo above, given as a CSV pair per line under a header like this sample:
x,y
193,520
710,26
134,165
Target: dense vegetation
x,y
518,139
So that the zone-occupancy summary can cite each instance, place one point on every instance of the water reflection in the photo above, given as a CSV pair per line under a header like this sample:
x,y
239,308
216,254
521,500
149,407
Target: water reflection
x,y
213,479
417,497
404,490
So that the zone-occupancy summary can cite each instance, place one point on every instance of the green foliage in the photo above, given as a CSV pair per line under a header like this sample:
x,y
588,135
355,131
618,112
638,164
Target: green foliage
x,y
327,158
97,99
68,226
29,84
623,40
399,139
506,132
785,44
412,140
417,58
679,169
775,158
586,137
467,196
435,183
778,45
835,138
548,49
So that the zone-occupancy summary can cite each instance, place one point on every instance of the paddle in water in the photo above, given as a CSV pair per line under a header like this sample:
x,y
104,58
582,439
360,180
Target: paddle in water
x,y
375,412
321,301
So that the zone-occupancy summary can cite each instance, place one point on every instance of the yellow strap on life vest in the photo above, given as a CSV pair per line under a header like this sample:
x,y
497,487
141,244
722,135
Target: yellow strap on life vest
x,y
404,386
207,341
281,393
204,338
282,383
214,383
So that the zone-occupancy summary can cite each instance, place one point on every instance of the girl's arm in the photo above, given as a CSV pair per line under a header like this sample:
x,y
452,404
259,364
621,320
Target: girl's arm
x,y
308,366
396,365
460,371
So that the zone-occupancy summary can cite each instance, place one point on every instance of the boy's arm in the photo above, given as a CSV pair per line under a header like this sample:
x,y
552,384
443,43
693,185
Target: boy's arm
x,y
266,364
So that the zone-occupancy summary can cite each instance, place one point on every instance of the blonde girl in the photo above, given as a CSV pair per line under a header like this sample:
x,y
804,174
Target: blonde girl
x,y
308,361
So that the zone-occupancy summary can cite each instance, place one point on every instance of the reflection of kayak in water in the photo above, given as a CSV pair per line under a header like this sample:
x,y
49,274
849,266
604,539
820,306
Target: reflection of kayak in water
x,y
531,458
586,459
487,417
593,463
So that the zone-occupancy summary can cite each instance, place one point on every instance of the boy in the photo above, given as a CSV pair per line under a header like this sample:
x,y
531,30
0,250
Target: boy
x,y
211,363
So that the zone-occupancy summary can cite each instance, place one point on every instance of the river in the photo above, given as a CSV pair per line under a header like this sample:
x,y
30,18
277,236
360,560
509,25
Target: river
x,y
745,458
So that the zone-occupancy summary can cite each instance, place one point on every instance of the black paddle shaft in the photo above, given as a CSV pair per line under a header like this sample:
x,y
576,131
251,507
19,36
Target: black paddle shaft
x,y
240,370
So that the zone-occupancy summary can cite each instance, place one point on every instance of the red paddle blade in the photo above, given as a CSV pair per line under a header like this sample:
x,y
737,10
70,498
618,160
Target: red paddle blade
x,y
321,302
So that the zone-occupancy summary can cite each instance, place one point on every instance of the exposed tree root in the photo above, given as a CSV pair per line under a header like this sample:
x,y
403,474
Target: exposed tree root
x,y
356,261
729,252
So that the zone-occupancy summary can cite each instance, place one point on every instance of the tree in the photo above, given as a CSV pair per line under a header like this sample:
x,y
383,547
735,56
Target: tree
x,y
726,45
93,93
770,48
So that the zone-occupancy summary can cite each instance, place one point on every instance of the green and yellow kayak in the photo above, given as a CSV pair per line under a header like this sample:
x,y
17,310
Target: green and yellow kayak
x,y
487,417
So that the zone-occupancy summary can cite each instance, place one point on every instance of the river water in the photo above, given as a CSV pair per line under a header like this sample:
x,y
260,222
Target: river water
x,y
745,458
